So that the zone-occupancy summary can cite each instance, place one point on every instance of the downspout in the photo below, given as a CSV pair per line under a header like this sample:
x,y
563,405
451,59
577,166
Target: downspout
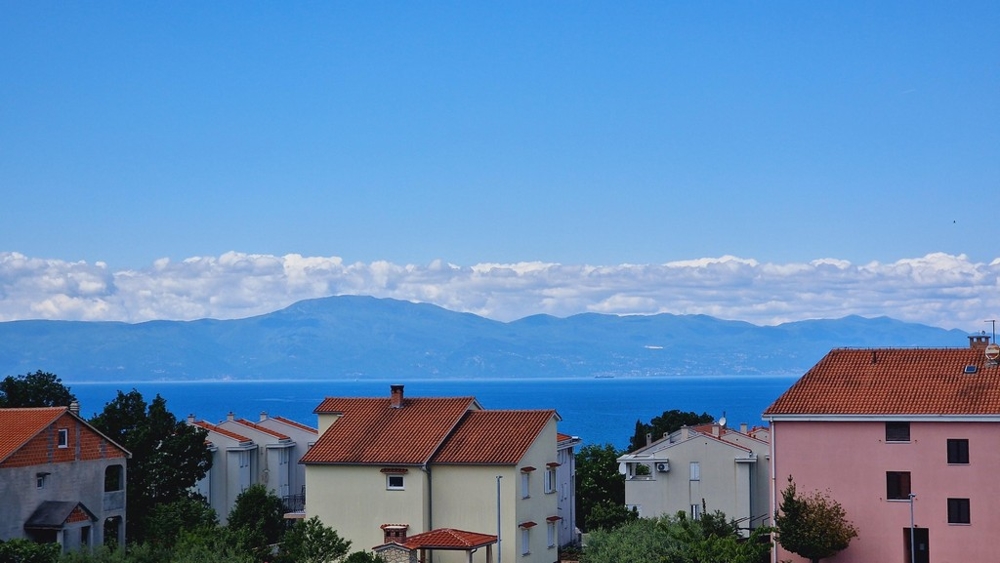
x,y
774,491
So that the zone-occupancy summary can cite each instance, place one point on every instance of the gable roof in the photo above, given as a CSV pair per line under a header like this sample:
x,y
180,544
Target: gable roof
x,y
493,437
449,538
922,381
294,424
22,424
264,429
221,431
53,514
371,431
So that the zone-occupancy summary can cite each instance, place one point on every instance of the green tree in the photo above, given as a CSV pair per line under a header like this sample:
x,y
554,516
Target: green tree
x,y
666,423
813,526
20,550
168,521
598,483
258,517
168,457
310,541
39,389
677,539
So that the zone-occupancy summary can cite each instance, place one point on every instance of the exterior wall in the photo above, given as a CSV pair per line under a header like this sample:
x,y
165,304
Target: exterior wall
x,y
303,440
850,461
75,473
566,486
539,505
739,489
466,498
354,501
227,479
272,468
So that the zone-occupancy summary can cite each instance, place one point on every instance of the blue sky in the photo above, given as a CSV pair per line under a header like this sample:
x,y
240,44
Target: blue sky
x,y
542,137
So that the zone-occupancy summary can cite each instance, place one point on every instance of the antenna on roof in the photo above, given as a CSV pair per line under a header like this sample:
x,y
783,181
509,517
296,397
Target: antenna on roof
x,y
994,323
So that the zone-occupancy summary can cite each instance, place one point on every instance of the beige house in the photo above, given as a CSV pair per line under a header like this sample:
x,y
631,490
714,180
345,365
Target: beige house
x,y
61,480
703,467
410,475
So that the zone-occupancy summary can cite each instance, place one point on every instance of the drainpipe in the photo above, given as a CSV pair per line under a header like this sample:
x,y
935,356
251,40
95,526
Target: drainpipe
x,y
774,491
499,522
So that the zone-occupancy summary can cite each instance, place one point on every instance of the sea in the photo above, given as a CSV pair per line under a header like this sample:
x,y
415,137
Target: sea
x,y
597,410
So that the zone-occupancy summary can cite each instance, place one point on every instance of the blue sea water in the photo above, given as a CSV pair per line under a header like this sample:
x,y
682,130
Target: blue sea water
x,y
597,410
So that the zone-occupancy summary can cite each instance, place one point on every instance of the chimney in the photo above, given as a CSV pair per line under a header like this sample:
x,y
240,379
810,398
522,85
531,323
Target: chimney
x,y
979,341
396,396
191,418
74,407
263,416
649,438
684,432
743,428
715,430
394,533
230,417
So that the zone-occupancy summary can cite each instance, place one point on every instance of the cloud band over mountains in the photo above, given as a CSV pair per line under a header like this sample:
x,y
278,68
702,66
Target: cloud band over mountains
x,y
938,289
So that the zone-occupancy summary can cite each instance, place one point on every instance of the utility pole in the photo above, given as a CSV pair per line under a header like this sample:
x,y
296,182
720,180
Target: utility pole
x,y
500,522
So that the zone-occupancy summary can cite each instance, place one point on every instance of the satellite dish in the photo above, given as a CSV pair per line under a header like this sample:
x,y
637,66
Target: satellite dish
x,y
722,422
992,352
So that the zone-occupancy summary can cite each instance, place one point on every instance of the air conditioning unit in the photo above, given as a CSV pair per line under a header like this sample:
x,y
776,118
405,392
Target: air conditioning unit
x,y
663,467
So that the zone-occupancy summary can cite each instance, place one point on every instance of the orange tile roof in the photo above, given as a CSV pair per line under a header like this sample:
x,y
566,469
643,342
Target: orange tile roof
x,y
227,433
921,381
298,425
448,538
21,424
370,431
260,428
494,437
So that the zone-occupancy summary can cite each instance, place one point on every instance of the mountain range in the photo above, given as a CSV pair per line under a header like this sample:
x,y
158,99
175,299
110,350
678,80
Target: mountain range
x,y
364,337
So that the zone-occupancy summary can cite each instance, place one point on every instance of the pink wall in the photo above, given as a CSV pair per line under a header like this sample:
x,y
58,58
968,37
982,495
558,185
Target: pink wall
x,y
850,460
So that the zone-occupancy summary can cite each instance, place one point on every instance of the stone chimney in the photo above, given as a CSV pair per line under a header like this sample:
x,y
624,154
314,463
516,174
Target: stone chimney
x,y
396,396
74,407
394,533
979,341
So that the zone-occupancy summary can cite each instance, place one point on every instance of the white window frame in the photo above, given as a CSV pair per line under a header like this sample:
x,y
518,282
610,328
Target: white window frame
x,y
62,439
388,482
550,480
551,533
525,484
525,541
696,512
40,480
695,471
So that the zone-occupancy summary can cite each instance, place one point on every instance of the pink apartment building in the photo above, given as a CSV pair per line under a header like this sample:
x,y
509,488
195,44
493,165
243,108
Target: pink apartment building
x,y
874,426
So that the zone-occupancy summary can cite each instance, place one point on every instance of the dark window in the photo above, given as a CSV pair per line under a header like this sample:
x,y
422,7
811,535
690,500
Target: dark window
x,y
897,431
113,478
958,451
897,485
958,511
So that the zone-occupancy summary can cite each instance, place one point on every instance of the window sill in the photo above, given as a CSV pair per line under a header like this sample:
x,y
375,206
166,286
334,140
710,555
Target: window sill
x,y
906,500
959,523
898,441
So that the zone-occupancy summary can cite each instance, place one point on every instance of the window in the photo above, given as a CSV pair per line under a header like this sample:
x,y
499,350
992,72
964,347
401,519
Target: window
x,y
696,512
113,480
525,484
394,482
525,541
958,511
958,451
40,480
550,480
551,534
695,471
897,485
897,431
63,438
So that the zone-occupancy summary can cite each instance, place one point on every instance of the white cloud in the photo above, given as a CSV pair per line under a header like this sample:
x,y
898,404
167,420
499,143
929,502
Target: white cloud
x,y
937,289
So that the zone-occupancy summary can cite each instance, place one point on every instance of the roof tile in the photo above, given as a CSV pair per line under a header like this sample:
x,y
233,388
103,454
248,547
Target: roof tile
x,y
493,437
21,424
895,381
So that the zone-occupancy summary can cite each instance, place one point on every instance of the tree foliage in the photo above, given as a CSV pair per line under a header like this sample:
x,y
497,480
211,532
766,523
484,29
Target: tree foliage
x,y
258,519
20,550
598,483
169,521
677,539
813,526
39,389
666,423
310,541
168,457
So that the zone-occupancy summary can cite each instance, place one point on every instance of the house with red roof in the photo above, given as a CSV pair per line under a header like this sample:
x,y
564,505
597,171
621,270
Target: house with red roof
x,y
706,467
61,480
906,440
402,475
247,453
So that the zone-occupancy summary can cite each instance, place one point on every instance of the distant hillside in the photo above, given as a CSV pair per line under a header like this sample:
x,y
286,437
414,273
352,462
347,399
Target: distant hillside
x,y
364,337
